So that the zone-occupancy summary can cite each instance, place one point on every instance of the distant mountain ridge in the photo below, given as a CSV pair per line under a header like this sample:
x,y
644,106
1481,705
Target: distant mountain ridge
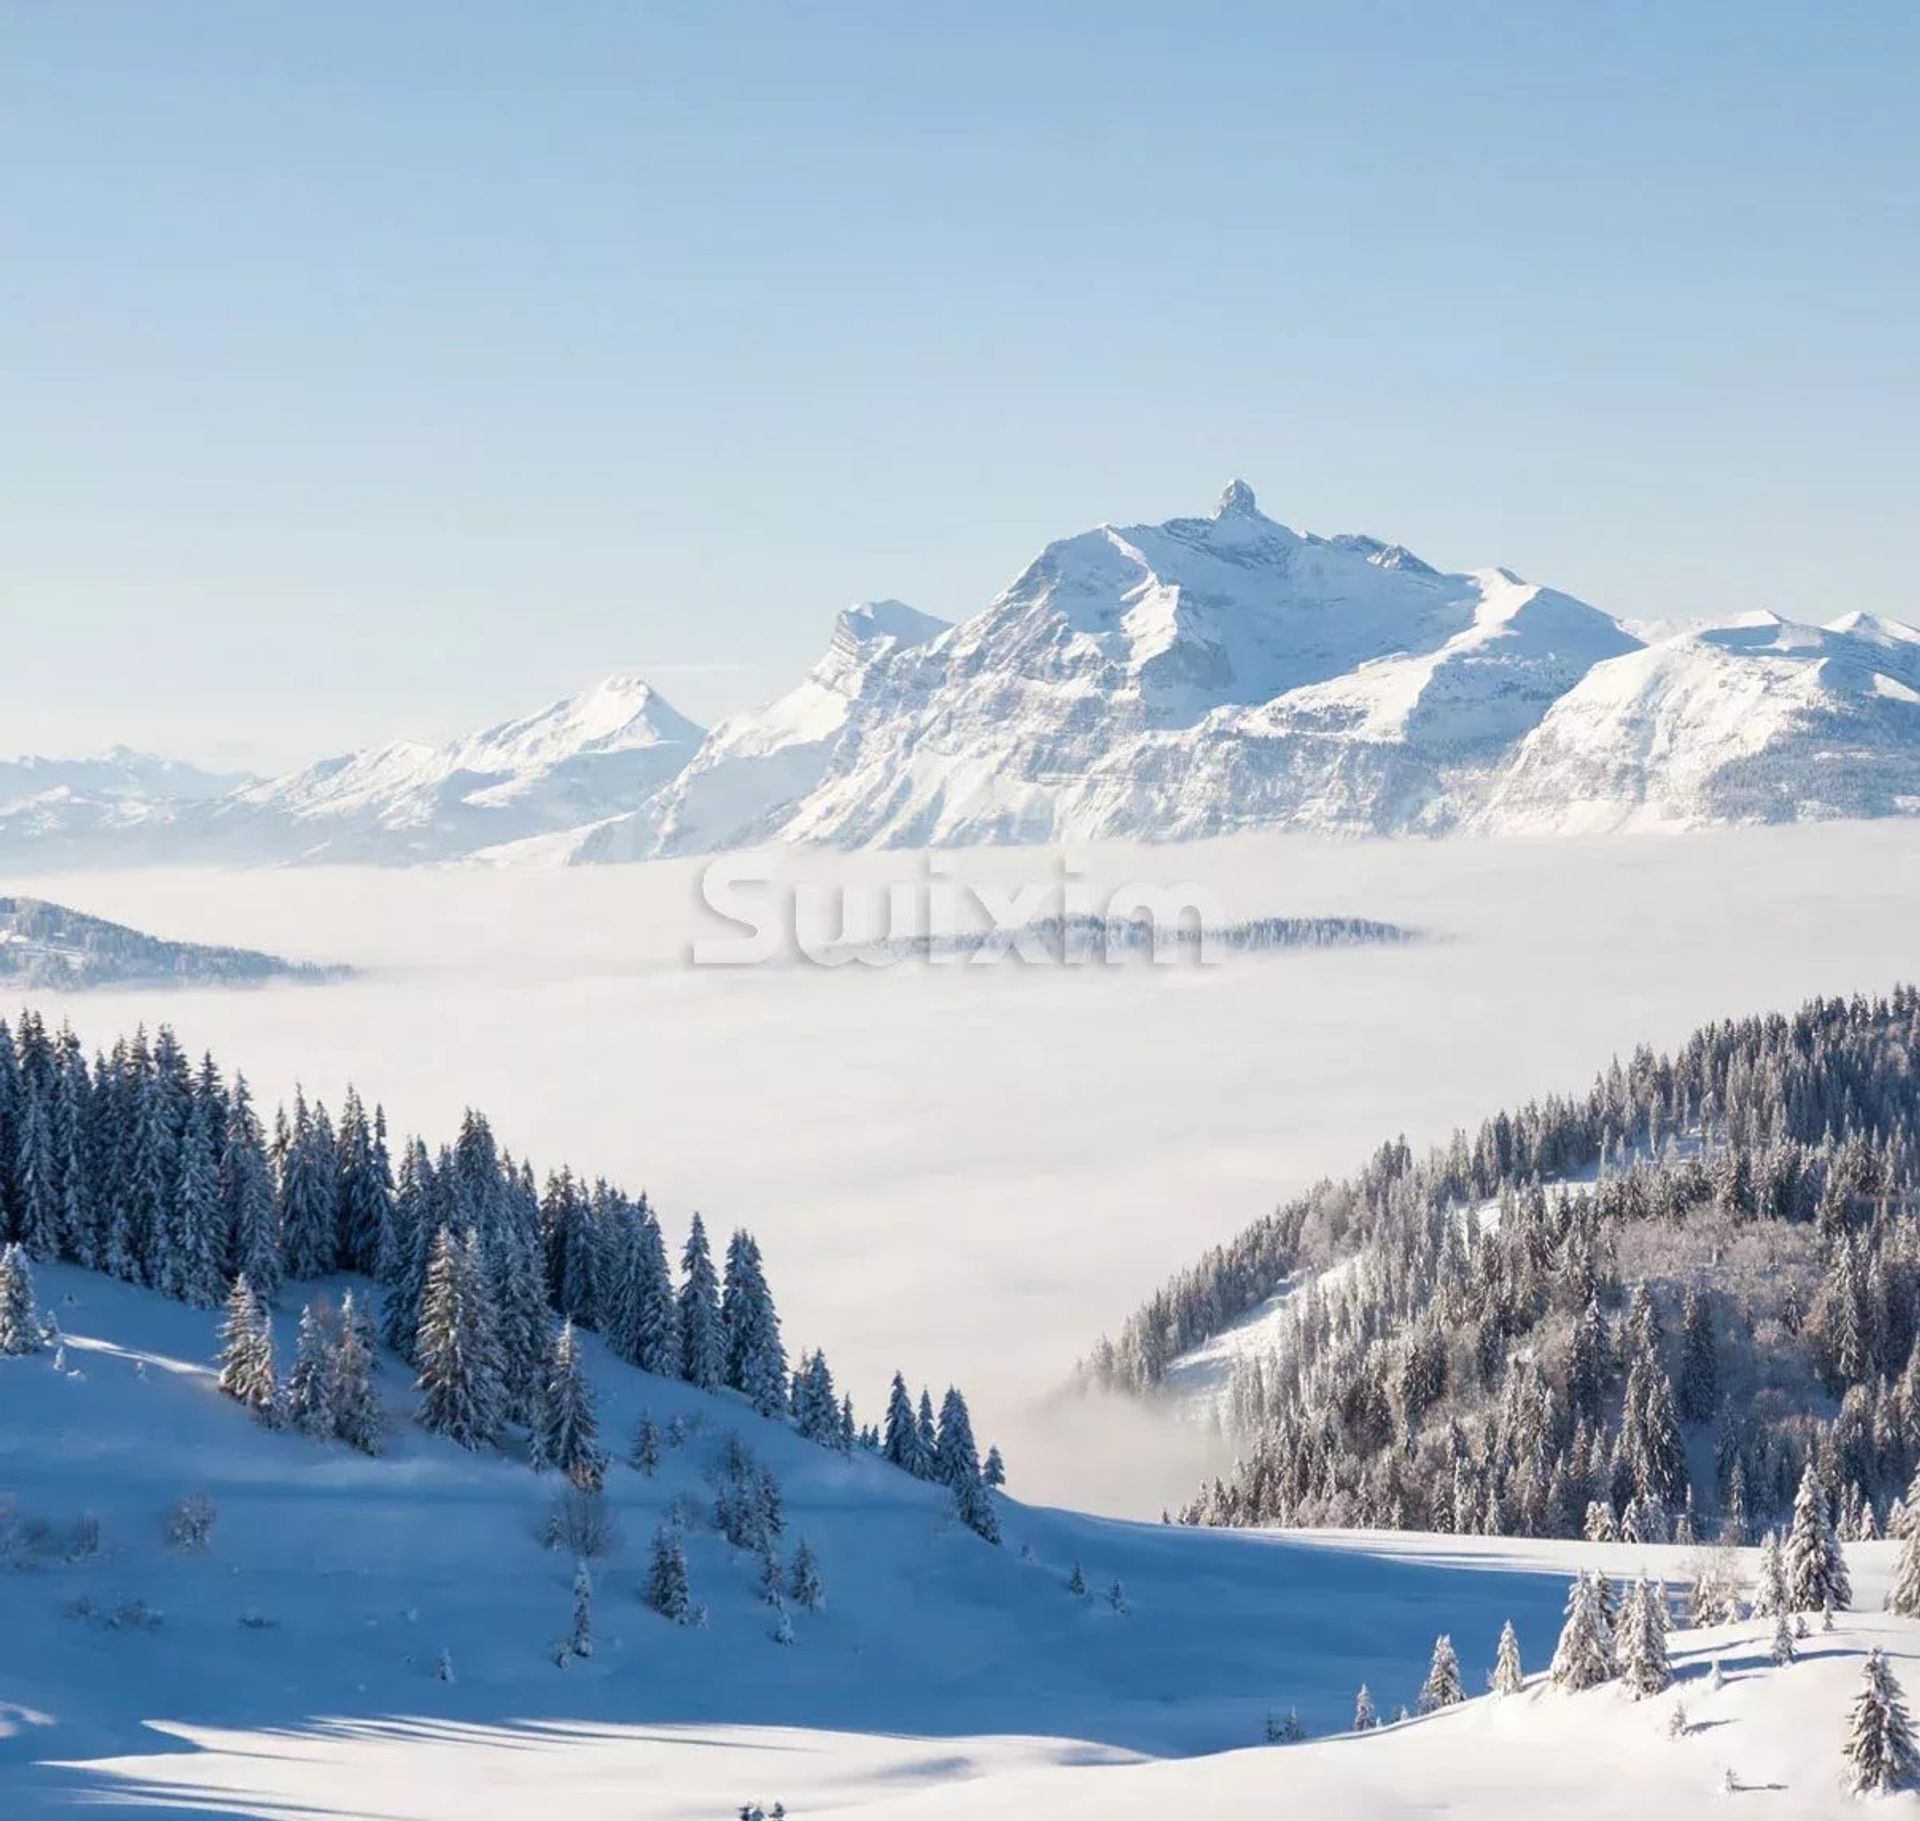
x,y
1163,682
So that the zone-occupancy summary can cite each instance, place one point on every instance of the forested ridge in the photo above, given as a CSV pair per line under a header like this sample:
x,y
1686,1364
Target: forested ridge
x,y
1649,1307
160,1172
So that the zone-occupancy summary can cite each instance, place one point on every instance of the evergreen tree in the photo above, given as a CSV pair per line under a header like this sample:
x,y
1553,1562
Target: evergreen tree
x,y
656,1335
703,1343
365,1188
1770,1585
1584,1656
805,1587
420,1199
645,1453
1643,1656
309,1195
1783,1651
1879,1748
955,1459
756,1362
246,1354
194,1268
458,1363
20,1326
1904,1597
929,1435
1442,1686
568,1428
1699,1395
1816,1570
37,1196
667,1590
310,1380
1508,1678
355,1404
249,1218
1077,1582
1364,1717
994,1472
900,1434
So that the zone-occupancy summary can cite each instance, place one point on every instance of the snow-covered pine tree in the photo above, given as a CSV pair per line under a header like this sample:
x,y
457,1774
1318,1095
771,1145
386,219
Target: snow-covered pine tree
x,y
1770,1584
1077,1582
1599,1526
1643,1637
1117,1598
356,1406
703,1343
581,1642
1508,1677
310,1379
1699,1393
1816,1569
418,1215
929,1435
1442,1686
805,1586
20,1326
365,1188
36,1185
900,1433
194,1267
1364,1717
756,1361
248,1215
246,1354
955,1458
309,1194
994,1470
1783,1651
644,1455
568,1428
1584,1655
458,1364
657,1318
667,1590
816,1410
1879,1747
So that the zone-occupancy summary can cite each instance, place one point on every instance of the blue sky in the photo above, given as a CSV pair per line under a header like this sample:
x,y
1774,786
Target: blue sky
x,y
379,369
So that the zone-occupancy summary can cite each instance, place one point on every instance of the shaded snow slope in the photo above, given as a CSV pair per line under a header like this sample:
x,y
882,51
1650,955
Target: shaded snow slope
x,y
295,1656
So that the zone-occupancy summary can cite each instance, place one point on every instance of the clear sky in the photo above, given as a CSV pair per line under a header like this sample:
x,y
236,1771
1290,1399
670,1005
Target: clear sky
x,y
382,368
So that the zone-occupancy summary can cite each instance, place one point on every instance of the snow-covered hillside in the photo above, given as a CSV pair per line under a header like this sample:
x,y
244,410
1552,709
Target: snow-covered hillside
x,y
291,1666
49,946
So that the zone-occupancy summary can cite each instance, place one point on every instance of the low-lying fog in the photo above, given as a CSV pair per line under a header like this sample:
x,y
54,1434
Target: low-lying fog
x,y
972,1171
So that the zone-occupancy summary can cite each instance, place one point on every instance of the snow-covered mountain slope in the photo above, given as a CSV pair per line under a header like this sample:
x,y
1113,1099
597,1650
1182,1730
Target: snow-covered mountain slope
x,y
1186,679
1143,682
290,1666
117,772
1756,720
755,768
575,761
57,812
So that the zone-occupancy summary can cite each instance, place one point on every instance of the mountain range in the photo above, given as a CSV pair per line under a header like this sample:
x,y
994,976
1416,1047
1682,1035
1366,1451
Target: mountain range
x,y
1157,682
